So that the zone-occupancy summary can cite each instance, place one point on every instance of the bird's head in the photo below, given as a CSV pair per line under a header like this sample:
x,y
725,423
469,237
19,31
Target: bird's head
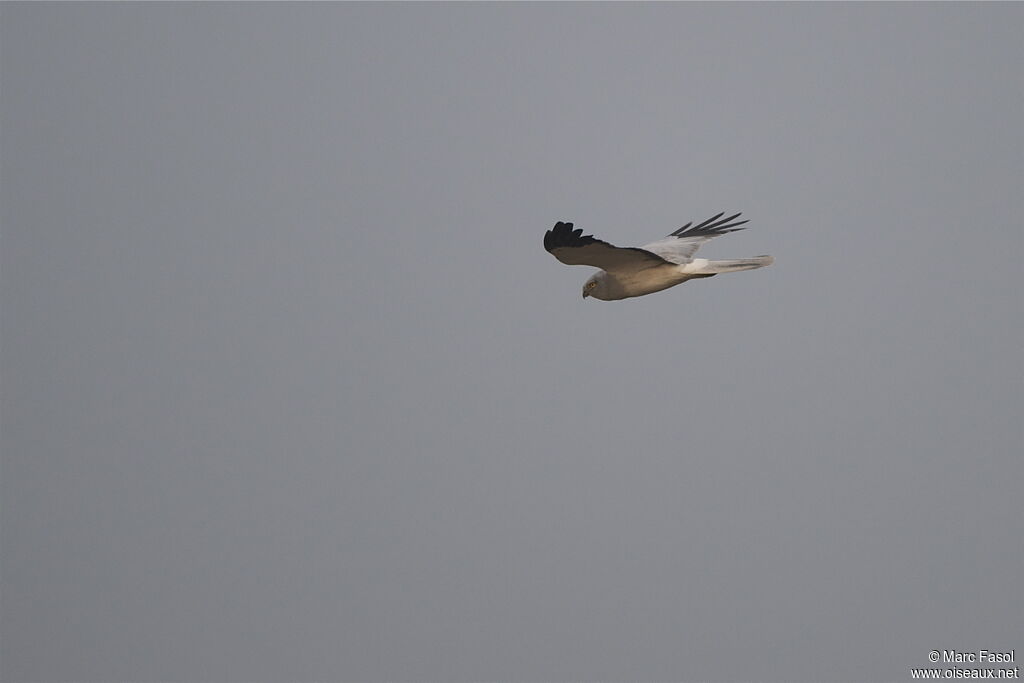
x,y
595,286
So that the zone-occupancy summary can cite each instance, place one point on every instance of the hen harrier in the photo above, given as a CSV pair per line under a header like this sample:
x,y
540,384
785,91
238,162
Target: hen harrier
x,y
635,271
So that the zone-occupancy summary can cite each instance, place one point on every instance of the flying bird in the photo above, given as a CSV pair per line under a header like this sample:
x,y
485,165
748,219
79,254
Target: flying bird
x,y
636,271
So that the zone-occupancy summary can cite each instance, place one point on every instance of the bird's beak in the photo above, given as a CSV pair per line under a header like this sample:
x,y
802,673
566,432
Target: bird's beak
x,y
585,295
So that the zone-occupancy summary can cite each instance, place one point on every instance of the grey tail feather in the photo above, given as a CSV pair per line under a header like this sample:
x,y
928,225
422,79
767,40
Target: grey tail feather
x,y
733,265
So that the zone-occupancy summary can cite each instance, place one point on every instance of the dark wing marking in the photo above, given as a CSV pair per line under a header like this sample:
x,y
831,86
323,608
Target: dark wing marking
x,y
712,227
574,248
680,246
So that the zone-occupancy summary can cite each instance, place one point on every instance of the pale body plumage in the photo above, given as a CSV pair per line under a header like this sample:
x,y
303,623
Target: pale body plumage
x,y
636,271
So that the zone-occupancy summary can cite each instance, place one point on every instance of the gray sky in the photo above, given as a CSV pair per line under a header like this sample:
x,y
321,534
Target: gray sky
x,y
292,392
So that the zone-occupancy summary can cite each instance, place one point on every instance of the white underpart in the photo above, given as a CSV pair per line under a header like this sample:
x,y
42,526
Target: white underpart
x,y
694,267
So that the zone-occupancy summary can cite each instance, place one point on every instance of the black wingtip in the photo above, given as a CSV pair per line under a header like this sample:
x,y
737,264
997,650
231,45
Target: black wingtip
x,y
712,226
563,235
710,221
557,234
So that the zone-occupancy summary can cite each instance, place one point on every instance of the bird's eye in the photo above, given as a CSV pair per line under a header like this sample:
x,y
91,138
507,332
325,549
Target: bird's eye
x,y
590,285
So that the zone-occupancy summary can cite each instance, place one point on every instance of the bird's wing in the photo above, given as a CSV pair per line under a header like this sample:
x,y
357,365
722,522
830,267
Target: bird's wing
x,y
680,246
574,248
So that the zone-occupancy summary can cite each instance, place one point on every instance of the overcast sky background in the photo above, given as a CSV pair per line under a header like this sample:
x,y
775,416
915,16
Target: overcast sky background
x,y
292,392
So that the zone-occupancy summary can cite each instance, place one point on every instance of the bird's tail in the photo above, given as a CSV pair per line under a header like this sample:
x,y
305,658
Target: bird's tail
x,y
732,265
